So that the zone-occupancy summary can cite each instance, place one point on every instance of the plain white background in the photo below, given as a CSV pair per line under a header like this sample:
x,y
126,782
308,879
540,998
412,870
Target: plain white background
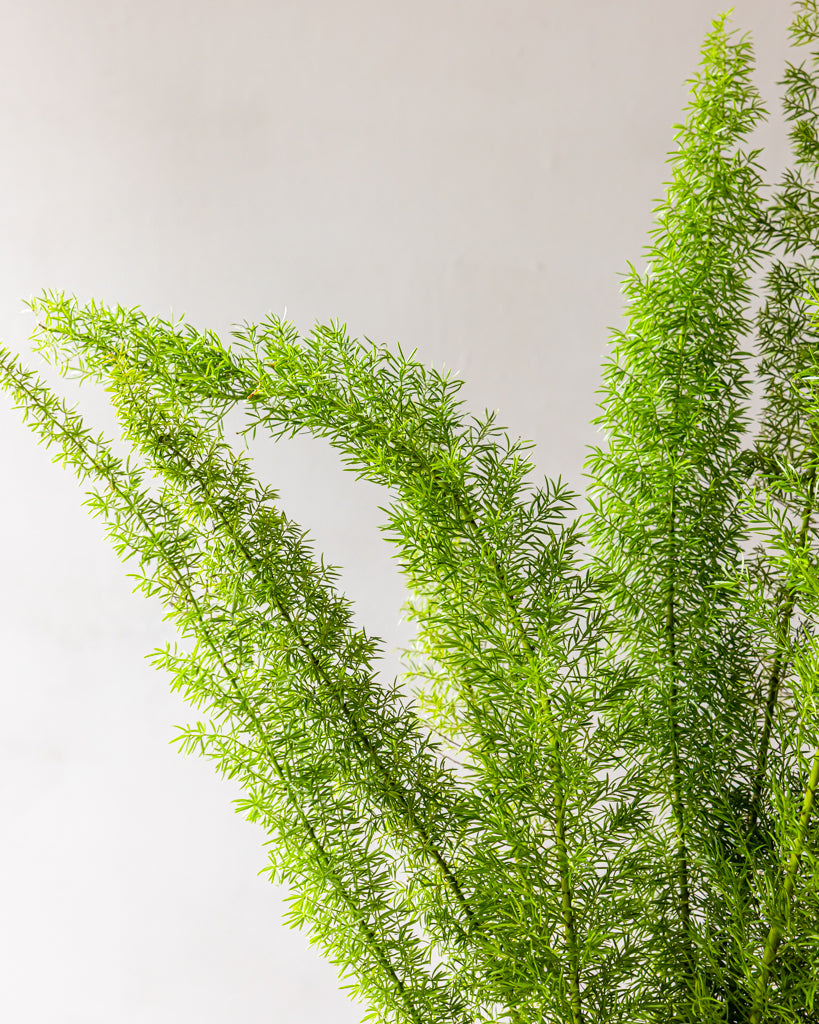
x,y
467,178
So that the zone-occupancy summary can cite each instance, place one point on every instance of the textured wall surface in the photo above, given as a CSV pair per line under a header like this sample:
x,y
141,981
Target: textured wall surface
x,y
467,177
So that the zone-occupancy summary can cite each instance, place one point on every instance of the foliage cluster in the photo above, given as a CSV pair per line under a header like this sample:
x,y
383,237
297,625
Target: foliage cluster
x,y
597,804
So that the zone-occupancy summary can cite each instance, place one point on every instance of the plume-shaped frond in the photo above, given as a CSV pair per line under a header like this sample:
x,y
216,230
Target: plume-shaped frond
x,y
665,525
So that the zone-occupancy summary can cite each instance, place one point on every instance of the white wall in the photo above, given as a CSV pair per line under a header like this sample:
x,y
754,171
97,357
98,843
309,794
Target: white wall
x,y
465,177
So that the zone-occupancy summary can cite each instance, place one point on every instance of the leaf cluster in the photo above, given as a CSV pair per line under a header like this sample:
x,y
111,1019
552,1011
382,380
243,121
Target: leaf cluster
x,y
591,796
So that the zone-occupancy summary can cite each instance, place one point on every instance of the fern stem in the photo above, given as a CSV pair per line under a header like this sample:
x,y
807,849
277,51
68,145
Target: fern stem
x,y
782,906
777,669
567,908
681,852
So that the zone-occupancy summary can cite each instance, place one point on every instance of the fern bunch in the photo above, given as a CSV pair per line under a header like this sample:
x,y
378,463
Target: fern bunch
x,y
629,832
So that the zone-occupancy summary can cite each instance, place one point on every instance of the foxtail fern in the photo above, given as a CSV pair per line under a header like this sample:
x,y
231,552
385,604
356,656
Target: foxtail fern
x,y
591,797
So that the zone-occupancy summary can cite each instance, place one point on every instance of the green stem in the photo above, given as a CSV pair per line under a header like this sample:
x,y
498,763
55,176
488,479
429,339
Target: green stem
x,y
681,853
783,903
777,668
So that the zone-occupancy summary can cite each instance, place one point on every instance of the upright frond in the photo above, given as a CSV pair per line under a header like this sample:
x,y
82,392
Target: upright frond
x,y
664,525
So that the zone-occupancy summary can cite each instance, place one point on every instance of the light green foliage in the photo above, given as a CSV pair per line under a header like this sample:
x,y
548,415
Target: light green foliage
x,y
666,524
591,797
